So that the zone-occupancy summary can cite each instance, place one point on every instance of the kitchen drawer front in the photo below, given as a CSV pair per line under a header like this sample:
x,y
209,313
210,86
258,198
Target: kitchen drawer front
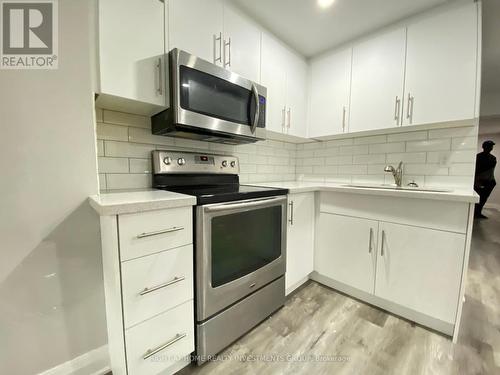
x,y
173,331
151,232
168,278
428,213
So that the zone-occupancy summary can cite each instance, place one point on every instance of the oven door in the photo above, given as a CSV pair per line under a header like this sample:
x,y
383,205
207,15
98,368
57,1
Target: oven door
x,y
214,99
240,247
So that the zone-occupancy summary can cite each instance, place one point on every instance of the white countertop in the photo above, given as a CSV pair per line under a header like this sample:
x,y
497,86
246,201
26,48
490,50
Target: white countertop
x,y
306,186
127,202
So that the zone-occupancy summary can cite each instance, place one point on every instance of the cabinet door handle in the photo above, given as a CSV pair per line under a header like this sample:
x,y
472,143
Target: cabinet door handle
x,y
175,280
370,241
289,118
218,39
397,108
152,352
343,118
382,252
283,117
158,232
409,108
291,212
227,44
411,112
159,90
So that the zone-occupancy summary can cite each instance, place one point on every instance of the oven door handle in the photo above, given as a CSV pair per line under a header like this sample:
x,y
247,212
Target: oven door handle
x,y
257,107
248,204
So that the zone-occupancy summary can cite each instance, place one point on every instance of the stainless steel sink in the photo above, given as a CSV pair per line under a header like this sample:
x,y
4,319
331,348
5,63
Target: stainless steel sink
x,y
394,187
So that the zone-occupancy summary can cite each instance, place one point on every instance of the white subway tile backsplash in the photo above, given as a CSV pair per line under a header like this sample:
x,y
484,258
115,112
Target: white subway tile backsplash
x,y
408,136
113,165
429,145
112,132
127,119
128,181
368,159
141,166
437,157
464,143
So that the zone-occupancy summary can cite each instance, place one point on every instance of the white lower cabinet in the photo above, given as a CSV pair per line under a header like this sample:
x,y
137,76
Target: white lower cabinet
x,y
300,239
420,268
148,284
346,250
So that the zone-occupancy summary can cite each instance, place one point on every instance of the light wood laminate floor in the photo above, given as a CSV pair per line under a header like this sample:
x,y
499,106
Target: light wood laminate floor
x,y
320,321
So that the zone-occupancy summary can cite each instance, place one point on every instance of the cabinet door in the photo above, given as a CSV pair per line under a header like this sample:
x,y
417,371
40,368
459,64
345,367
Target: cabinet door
x,y
194,26
300,238
330,89
242,44
345,250
420,269
296,95
274,79
377,82
441,71
131,58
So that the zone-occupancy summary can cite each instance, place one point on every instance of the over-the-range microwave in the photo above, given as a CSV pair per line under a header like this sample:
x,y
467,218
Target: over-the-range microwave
x,y
210,103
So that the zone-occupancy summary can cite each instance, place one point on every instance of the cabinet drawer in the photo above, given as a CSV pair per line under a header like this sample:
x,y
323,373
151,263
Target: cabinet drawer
x,y
156,283
151,232
169,335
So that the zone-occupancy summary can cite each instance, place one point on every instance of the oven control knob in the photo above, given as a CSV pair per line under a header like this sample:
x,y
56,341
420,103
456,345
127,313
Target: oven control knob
x,y
224,163
181,161
233,164
167,160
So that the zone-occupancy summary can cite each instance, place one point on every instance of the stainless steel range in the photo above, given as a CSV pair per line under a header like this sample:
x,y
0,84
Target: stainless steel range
x,y
240,242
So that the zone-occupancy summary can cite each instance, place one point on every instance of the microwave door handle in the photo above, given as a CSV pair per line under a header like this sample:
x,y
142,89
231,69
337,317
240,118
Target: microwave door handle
x,y
257,107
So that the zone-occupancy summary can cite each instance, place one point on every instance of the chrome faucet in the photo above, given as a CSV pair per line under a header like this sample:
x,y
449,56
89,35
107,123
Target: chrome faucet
x,y
396,173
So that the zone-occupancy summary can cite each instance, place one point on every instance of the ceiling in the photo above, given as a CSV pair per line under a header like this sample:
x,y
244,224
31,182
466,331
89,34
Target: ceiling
x,y
310,30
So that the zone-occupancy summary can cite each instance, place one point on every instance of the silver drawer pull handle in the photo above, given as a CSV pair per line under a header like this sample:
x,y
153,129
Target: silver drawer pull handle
x,y
152,352
169,230
174,281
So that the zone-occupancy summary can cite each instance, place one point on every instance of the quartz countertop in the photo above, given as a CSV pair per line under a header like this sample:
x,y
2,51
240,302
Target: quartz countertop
x,y
126,202
468,196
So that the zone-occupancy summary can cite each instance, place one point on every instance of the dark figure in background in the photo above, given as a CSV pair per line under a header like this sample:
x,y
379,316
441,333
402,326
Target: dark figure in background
x,y
484,182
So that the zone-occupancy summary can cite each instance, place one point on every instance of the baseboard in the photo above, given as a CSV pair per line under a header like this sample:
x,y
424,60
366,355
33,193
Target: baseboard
x,y
493,206
95,362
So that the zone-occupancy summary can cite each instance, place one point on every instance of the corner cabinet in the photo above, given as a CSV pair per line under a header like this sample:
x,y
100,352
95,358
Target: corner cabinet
x,y
148,284
300,239
131,65
415,268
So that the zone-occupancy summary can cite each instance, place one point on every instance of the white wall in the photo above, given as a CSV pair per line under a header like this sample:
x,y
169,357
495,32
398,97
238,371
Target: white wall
x,y
52,304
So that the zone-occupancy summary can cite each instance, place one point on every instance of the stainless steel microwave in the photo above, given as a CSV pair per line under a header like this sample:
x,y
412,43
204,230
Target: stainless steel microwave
x,y
210,103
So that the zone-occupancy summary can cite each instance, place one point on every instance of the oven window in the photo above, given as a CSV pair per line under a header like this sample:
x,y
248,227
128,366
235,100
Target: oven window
x,y
244,242
211,96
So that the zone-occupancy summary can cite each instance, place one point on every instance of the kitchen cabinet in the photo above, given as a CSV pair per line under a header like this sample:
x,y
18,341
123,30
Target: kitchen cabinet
x,y
300,239
420,268
378,68
441,66
346,250
131,59
241,49
329,96
196,26
284,74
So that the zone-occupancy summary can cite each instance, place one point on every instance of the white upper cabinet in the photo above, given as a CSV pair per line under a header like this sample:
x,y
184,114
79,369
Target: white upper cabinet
x,y
284,74
296,95
273,77
441,66
131,51
196,26
241,48
378,67
330,89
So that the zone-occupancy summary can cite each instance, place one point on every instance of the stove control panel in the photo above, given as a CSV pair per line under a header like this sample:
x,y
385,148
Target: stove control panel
x,y
190,162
